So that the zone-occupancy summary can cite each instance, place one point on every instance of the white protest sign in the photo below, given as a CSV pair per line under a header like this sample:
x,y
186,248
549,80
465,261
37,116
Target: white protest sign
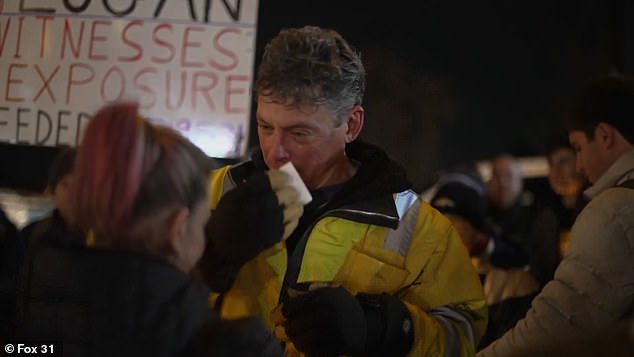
x,y
188,63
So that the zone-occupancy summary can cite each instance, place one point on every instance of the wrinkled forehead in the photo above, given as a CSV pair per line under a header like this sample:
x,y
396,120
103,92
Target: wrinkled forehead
x,y
270,110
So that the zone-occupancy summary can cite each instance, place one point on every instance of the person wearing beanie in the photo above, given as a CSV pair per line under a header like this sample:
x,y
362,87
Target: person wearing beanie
x,y
461,196
508,287
464,205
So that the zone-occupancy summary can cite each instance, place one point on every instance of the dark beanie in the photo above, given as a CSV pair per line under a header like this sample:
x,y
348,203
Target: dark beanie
x,y
461,199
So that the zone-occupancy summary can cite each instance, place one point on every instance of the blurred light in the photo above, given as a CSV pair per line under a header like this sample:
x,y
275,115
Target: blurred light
x,y
220,142
530,167
24,209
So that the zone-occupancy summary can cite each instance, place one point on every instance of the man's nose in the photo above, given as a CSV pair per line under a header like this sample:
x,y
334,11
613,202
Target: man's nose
x,y
280,152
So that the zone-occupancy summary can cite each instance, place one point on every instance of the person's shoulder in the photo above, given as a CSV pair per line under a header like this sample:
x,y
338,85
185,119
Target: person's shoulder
x,y
431,223
237,171
38,224
219,172
614,199
610,208
224,178
8,230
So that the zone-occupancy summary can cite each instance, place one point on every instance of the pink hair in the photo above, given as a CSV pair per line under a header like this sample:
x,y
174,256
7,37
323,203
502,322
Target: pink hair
x,y
127,168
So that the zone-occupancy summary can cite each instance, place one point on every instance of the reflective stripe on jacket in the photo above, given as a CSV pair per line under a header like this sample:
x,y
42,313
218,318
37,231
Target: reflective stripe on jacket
x,y
397,245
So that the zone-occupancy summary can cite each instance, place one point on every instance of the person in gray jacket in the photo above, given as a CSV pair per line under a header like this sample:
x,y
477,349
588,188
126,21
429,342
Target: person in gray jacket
x,y
593,288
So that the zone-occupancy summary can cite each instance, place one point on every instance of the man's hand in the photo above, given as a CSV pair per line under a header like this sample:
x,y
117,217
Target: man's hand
x,y
326,321
253,216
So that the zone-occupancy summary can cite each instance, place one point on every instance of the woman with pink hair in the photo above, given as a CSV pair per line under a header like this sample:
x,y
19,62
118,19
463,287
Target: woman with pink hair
x,y
140,194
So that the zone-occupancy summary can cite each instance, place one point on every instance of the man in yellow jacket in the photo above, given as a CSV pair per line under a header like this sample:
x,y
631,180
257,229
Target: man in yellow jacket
x,y
369,269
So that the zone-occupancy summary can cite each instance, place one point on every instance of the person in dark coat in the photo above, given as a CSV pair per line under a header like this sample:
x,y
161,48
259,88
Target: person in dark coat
x,y
508,288
8,238
518,218
58,223
53,229
567,186
140,196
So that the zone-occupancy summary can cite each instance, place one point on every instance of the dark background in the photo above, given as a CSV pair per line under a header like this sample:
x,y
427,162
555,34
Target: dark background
x,y
448,81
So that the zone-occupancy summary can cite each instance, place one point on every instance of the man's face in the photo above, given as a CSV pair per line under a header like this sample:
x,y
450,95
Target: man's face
x,y
307,137
592,160
505,185
562,174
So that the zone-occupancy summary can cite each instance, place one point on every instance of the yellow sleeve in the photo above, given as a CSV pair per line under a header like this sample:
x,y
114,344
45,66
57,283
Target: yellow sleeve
x,y
447,305
216,180
216,184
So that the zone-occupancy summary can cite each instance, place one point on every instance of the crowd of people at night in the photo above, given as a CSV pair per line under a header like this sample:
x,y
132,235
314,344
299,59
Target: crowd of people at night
x,y
153,250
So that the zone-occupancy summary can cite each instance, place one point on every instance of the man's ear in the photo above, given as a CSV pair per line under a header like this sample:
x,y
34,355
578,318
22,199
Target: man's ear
x,y
604,134
176,226
355,123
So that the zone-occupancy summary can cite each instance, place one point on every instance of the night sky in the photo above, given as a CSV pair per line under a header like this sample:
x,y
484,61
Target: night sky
x,y
448,81
458,80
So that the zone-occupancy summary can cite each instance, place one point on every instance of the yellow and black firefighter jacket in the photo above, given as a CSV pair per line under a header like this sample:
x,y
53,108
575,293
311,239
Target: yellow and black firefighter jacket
x,y
376,235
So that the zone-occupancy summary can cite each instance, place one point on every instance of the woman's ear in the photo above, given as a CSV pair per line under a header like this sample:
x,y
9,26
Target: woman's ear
x,y
355,123
176,227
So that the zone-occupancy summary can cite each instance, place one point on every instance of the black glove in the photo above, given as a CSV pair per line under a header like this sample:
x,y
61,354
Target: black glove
x,y
330,322
325,322
389,325
248,219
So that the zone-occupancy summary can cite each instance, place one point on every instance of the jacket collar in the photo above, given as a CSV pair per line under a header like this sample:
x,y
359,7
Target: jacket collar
x,y
621,170
377,175
368,193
